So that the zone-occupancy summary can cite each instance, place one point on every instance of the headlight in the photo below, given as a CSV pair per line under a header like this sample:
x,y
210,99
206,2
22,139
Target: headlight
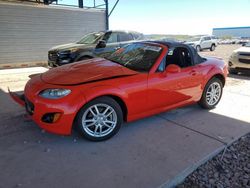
x,y
73,50
234,54
54,93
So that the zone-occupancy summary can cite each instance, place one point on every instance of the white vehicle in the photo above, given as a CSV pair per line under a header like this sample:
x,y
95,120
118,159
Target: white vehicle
x,y
203,42
239,61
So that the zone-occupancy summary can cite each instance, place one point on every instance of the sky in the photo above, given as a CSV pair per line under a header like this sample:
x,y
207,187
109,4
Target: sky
x,y
189,17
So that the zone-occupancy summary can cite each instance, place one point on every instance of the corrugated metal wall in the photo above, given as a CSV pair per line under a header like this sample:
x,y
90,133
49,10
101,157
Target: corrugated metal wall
x,y
27,32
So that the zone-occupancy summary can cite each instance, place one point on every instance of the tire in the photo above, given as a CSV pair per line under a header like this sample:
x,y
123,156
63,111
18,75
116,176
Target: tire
x,y
97,126
198,48
212,48
232,71
206,101
84,58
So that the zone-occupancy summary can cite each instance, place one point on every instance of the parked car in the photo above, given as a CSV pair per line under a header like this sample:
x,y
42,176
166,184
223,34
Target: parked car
x,y
239,61
138,80
203,42
91,45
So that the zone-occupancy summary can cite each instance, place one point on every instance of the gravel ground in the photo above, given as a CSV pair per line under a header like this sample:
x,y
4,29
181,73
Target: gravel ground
x,y
223,51
230,168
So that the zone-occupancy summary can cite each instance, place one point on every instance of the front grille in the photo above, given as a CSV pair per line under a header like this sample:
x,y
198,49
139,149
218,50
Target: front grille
x,y
244,54
246,61
52,56
29,106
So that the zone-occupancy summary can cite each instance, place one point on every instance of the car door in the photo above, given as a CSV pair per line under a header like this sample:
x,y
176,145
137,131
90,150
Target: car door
x,y
207,42
167,89
112,44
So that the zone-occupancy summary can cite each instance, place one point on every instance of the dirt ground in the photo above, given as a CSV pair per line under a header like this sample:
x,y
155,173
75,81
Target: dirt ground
x,y
223,51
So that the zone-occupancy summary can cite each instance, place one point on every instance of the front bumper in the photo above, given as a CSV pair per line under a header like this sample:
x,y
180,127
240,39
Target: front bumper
x,y
239,62
37,109
56,59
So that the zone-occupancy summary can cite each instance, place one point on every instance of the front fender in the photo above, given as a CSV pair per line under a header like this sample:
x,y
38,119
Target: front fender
x,y
102,90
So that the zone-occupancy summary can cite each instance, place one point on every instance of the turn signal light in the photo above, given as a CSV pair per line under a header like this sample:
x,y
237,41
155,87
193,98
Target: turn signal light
x,y
51,117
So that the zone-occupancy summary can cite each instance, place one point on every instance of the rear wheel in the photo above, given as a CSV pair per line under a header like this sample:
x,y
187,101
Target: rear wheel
x,y
100,119
212,94
212,48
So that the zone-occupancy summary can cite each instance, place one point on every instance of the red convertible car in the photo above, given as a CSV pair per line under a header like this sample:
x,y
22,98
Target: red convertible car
x,y
138,80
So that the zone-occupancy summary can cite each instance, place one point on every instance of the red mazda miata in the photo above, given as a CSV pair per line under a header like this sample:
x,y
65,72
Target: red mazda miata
x,y
138,80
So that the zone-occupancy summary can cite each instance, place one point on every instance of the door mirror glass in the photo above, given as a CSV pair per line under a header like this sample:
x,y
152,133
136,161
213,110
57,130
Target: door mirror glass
x,y
101,44
172,68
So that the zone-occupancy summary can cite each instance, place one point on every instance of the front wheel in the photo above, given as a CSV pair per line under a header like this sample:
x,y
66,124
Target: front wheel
x,y
100,119
212,94
232,71
212,48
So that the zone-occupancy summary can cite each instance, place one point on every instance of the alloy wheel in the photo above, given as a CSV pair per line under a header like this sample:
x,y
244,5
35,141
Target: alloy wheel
x,y
99,120
213,93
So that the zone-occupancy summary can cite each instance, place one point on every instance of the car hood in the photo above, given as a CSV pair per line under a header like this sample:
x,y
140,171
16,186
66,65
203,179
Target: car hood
x,y
243,49
70,46
85,72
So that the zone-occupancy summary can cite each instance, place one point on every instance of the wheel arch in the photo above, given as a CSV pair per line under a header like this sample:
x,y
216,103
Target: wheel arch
x,y
220,77
87,55
106,91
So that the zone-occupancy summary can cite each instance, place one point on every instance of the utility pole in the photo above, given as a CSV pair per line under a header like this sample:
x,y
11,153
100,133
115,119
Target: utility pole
x,y
80,2
107,14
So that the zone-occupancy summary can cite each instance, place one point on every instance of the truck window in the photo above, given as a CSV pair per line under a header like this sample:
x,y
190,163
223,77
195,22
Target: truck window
x,y
111,37
125,37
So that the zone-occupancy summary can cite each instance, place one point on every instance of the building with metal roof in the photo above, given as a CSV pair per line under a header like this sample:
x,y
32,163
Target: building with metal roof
x,y
241,32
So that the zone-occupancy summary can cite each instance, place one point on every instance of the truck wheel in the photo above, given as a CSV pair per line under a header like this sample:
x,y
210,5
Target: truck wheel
x,y
84,58
198,48
212,47
232,71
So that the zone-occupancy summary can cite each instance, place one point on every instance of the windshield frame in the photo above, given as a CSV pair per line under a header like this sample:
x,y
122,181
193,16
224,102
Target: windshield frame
x,y
101,34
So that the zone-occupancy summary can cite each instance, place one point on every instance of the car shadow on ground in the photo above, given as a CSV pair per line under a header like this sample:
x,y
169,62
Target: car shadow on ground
x,y
241,76
145,153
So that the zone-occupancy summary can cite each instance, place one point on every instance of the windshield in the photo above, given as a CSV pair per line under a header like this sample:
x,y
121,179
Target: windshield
x,y
91,38
137,56
193,39
247,44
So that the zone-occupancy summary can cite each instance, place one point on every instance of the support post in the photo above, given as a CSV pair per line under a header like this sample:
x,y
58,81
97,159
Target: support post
x,y
80,2
107,14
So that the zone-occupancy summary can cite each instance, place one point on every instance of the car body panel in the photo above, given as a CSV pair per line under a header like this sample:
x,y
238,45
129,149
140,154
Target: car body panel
x,y
143,93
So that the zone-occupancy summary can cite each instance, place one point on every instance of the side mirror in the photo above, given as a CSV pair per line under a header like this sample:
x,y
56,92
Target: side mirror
x,y
172,68
101,44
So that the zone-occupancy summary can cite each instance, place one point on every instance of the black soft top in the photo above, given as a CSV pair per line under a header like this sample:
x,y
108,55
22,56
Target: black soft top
x,y
197,59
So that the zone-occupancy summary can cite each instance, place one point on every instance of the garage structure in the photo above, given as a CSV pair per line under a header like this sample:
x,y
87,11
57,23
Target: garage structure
x,y
242,32
29,30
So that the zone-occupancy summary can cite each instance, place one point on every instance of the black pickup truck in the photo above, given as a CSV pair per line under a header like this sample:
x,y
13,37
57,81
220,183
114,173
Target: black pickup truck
x,y
91,45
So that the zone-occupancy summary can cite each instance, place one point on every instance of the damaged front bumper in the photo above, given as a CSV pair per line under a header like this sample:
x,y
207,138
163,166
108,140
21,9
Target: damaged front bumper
x,y
19,98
